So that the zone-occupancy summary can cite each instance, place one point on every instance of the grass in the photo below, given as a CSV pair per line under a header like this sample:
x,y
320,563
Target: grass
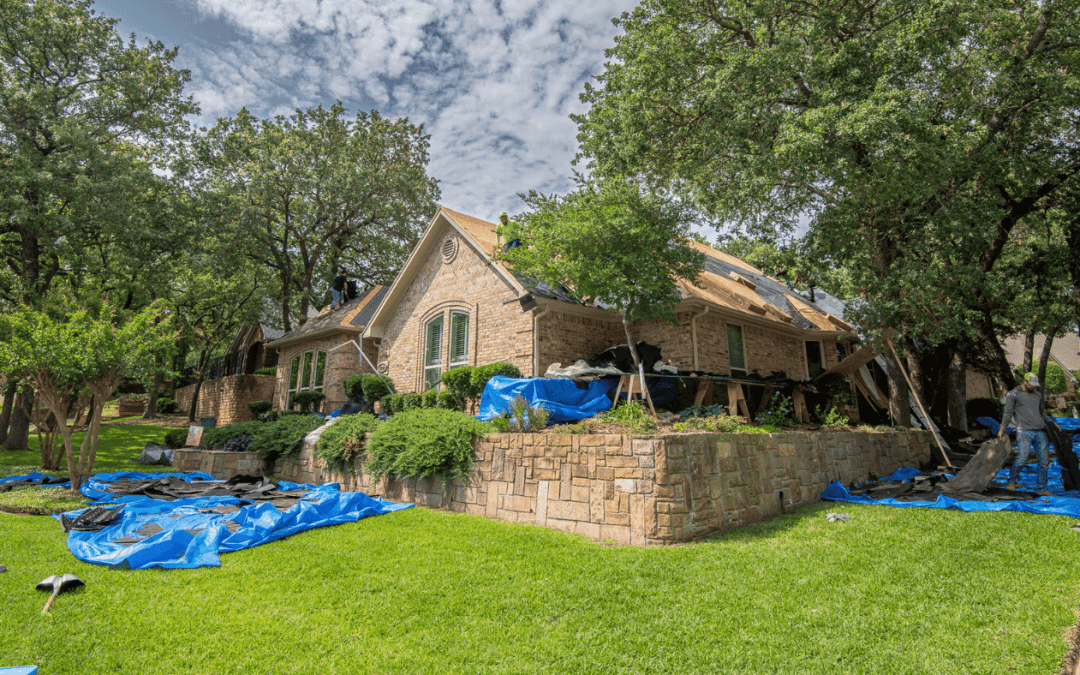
x,y
892,591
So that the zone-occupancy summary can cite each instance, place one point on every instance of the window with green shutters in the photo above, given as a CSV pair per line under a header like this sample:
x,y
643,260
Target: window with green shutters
x,y
433,351
307,371
736,351
459,339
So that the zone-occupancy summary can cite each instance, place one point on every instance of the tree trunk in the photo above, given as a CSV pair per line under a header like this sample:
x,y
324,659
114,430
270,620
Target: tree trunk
x,y
1048,344
5,413
958,391
1029,350
156,383
198,386
899,403
19,430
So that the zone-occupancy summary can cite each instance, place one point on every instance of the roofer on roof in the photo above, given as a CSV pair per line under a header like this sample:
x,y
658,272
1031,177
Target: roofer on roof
x,y
508,230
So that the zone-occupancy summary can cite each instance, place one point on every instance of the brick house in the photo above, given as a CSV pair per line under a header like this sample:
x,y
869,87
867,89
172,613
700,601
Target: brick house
x,y
738,321
321,353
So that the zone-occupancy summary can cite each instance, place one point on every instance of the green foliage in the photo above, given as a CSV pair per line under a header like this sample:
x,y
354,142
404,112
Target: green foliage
x,y
258,408
431,399
448,400
835,391
385,403
832,418
458,381
984,407
425,442
284,438
480,375
522,416
412,401
1056,382
306,400
397,403
354,387
376,386
613,240
779,413
175,438
340,444
701,411
720,423
272,370
217,437
315,187
165,406
630,414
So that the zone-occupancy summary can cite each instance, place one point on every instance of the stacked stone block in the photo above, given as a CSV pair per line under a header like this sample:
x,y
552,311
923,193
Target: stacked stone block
x,y
226,398
627,489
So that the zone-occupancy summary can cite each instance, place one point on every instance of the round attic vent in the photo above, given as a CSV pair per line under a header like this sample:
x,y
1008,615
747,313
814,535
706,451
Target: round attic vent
x,y
449,249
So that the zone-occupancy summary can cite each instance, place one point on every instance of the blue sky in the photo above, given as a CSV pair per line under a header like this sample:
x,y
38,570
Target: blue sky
x,y
493,81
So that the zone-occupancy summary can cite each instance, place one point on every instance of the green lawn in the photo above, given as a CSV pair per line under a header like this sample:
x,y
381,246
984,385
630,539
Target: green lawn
x,y
419,591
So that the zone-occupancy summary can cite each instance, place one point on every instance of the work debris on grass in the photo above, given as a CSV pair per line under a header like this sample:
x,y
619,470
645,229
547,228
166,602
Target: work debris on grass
x,y
943,489
185,520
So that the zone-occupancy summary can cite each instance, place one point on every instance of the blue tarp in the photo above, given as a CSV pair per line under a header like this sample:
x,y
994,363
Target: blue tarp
x,y
34,475
191,537
1062,503
562,397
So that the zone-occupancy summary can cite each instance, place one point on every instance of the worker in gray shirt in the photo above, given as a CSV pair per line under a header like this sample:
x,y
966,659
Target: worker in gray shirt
x,y
1025,405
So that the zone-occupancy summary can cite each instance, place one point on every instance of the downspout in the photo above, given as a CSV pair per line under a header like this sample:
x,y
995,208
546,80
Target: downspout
x,y
536,340
693,336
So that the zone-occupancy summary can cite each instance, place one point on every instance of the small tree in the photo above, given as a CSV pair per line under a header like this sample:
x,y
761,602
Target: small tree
x,y
610,241
59,357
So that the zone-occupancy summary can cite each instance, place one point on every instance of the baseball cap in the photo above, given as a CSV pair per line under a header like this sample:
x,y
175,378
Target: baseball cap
x,y
1032,379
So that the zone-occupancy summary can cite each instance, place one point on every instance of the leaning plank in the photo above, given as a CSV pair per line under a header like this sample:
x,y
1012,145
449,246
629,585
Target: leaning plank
x,y
981,468
1070,478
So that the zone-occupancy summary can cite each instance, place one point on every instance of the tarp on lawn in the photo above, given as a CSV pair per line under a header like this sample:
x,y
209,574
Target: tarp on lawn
x,y
564,399
1062,503
186,533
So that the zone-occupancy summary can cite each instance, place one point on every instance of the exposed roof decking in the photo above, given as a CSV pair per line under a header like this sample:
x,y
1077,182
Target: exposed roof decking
x,y
351,317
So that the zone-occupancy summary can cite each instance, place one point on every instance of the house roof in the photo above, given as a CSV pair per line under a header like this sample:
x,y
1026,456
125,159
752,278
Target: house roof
x,y
1066,349
726,282
351,317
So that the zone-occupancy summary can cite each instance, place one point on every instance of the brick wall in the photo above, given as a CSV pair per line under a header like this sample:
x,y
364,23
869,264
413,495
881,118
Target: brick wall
x,y
226,398
342,360
498,329
628,489
566,337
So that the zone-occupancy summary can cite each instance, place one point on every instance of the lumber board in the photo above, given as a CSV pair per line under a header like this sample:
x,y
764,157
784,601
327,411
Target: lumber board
x,y
981,468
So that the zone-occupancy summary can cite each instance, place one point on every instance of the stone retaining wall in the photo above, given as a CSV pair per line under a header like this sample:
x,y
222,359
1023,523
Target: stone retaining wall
x,y
627,489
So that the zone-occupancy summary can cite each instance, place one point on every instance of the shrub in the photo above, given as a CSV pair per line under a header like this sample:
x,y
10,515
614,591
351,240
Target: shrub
x,y
354,387
431,398
165,406
216,437
258,408
385,403
834,391
376,386
779,413
425,442
130,387
984,407
481,375
176,438
633,415
832,418
412,401
344,440
282,439
306,400
524,417
1055,382
701,411
270,370
397,403
448,400
458,381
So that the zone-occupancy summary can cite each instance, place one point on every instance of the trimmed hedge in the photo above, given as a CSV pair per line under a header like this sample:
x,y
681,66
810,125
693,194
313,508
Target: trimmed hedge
x,y
217,437
282,439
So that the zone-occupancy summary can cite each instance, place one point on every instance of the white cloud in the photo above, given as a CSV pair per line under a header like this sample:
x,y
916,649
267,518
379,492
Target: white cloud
x,y
494,88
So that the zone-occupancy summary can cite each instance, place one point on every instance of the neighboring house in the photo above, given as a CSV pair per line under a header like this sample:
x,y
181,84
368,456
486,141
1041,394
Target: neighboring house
x,y
230,382
320,354
453,305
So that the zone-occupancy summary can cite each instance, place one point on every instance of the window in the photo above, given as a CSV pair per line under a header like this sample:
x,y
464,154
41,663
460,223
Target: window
x,y
433,351
307,371
815,359
459,339
736,351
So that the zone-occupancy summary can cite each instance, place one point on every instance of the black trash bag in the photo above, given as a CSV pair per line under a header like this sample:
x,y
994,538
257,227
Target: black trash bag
x,y
619,357
91,520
